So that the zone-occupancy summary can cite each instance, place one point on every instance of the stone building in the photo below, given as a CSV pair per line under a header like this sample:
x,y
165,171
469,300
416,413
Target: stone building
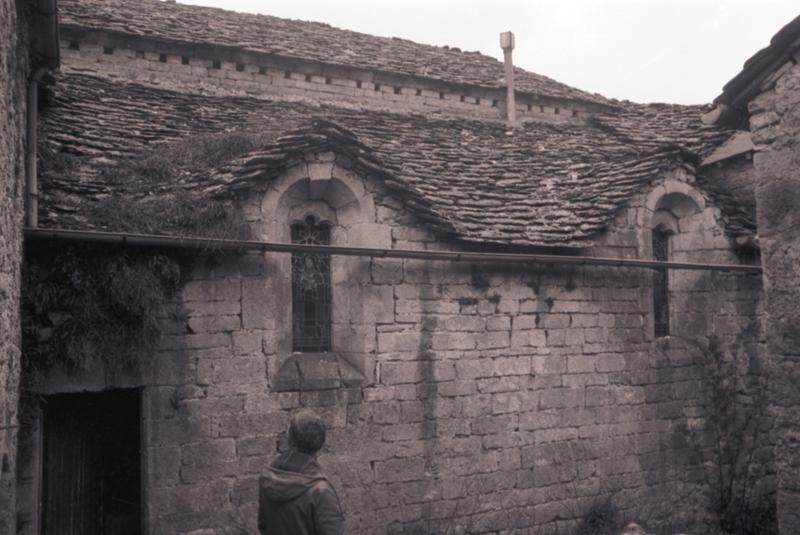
x,y
502,321
27,43
764,100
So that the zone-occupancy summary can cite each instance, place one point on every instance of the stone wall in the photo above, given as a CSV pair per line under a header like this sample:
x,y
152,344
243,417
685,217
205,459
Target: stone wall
x,y
775,126
478,397
219,71
13,66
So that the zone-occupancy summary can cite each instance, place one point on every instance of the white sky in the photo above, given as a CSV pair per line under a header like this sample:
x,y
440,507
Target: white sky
x,y
680,51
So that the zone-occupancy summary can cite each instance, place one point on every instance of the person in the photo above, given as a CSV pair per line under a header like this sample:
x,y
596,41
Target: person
x,y
294,497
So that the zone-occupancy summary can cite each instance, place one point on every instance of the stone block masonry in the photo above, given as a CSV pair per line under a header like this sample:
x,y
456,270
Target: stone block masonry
x,y
219,72
493,398
775,126
13,64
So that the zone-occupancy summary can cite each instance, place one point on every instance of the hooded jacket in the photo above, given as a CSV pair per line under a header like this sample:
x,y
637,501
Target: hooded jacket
x,y
294,498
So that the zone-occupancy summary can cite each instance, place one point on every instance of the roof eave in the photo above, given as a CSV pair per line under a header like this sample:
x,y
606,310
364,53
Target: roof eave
x,y
758,71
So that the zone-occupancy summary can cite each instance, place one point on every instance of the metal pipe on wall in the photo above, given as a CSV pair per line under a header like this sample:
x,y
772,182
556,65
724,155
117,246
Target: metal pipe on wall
x,y
177,242
31,172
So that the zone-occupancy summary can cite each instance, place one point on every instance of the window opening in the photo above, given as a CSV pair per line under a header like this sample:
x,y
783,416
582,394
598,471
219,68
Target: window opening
x,y
661,283
311,289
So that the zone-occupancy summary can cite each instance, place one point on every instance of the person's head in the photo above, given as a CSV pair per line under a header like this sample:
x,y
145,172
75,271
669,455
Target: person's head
x,y
306,432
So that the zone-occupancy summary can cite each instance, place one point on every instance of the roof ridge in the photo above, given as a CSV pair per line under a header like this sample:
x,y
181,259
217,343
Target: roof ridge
x,y
309,40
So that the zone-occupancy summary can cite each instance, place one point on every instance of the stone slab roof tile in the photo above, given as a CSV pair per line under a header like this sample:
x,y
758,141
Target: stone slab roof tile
x,y
758,69
473,181
307,41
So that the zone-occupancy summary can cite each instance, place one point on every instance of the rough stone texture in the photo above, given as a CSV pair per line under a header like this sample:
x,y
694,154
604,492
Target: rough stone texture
x,y
731,186
489,397
309,42
465,398
13,67
189,68
542,184
775,125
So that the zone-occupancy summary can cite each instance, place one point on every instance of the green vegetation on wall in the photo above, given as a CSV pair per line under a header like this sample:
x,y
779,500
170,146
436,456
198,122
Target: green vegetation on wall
x,y
81,303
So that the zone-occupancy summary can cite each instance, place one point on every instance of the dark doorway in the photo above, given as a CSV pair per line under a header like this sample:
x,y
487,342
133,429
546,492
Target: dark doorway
x,y
91,462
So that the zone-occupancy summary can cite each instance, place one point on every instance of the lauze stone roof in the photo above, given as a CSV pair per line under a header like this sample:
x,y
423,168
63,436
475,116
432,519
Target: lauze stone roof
x,y
472,181
764,67
306,41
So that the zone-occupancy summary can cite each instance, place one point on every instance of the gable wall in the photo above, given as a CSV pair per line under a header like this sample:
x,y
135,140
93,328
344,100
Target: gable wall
x,y
261,75
492,397
775,127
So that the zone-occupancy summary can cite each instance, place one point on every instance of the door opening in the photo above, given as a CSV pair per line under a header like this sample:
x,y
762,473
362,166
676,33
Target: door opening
x,y
91,463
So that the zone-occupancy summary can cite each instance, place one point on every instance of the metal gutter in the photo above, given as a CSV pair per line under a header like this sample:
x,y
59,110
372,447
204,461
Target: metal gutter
x,y
151,240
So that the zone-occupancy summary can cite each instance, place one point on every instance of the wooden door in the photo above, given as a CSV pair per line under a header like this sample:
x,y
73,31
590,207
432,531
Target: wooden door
x,y
91,464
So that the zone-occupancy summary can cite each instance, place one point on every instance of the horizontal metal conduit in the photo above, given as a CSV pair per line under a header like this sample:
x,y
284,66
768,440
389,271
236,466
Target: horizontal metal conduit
x,y
151,240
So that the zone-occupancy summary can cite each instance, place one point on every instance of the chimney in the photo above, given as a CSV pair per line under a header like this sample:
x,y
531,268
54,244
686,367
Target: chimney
x,y
507,44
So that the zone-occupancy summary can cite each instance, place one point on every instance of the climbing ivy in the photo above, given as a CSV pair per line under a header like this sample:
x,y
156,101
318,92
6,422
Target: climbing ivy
x,y
81,303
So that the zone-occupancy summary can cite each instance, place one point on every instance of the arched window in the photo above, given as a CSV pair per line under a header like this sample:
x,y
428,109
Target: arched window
x,y
311,289
661,282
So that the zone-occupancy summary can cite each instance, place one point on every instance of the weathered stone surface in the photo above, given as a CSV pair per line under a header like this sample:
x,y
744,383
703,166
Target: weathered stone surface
x,y
777,127
574,216
506,397
13,58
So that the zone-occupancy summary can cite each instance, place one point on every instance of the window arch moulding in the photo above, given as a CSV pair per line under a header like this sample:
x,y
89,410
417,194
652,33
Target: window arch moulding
x,y
669,205
337,197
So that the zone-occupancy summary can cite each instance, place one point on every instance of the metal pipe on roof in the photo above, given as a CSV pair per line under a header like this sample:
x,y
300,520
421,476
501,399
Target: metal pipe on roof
x,y
151,240
507,44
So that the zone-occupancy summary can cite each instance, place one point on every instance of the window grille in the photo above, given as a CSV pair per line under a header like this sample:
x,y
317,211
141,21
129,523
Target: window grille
x,y
311,289
661,283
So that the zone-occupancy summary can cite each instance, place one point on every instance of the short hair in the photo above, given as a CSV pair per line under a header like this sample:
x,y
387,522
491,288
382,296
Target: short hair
x,y
306,432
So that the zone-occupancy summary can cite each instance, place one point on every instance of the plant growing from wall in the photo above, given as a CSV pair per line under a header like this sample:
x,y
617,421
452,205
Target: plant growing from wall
x,y
81,303
157,189
736,407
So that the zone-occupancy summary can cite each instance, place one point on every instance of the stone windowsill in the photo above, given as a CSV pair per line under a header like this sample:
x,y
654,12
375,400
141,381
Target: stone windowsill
x,y
316,371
